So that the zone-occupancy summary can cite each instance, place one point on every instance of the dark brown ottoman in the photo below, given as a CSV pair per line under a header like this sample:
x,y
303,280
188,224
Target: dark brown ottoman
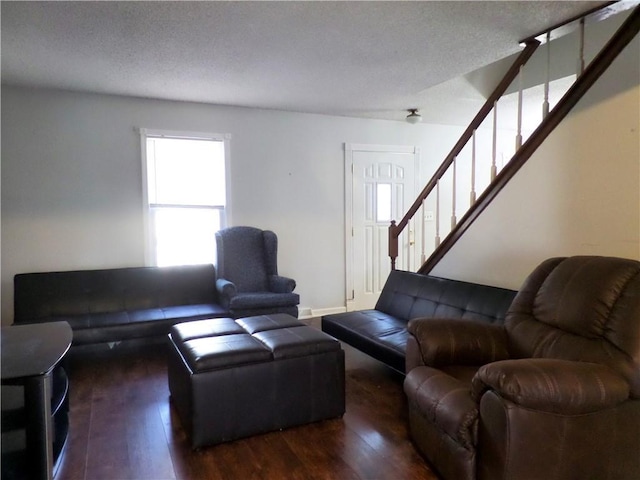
x,y
235,378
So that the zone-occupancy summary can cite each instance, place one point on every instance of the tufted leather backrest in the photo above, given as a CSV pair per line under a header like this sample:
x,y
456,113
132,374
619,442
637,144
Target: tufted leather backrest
x,y
246,257
409,295
39,296
580,308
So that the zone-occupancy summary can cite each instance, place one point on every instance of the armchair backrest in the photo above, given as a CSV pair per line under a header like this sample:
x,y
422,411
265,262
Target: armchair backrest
x,y
247,256
580,308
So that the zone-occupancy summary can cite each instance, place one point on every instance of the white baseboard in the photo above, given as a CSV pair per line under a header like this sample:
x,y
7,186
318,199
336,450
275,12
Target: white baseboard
x,y
304,313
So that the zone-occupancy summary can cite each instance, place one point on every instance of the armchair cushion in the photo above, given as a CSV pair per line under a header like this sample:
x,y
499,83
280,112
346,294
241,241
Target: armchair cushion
x,y
280,284
260,299
578,308
443,342
445,401
553,386
226,289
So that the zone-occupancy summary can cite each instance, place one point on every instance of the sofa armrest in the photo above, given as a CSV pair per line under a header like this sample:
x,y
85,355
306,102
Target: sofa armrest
x,y
445,341
280,284
553,386
226,291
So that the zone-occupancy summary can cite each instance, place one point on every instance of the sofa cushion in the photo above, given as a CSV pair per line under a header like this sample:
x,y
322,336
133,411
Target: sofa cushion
x,y
382,332
259,300
376,333
174,314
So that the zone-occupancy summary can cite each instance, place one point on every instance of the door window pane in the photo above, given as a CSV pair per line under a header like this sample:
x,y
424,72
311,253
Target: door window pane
x,y
383,200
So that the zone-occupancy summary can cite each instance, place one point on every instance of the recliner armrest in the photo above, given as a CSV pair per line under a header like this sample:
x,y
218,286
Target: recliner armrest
x,y
551,385
226,290
280,284
445,341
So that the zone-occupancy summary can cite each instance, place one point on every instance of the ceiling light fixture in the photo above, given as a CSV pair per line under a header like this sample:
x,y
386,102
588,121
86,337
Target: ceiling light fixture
x,y
414,116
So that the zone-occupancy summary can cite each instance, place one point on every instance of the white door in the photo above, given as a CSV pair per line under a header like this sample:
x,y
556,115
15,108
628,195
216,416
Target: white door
x,y
382,187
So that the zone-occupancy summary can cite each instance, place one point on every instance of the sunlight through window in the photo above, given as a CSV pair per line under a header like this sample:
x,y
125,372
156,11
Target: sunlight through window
x,y
186,195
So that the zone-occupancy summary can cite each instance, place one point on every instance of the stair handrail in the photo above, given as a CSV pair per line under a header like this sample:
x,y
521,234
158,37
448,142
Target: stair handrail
x,y
621,38
395,230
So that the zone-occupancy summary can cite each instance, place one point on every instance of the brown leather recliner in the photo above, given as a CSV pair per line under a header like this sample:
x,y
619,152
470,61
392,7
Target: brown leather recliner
x,y
553,394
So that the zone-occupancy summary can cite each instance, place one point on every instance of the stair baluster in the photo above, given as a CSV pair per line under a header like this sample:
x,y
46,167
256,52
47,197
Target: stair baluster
x,y
551,118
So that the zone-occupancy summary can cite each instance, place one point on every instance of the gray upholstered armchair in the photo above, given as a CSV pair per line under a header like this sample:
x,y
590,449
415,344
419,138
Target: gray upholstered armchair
x,y
248,281
552,394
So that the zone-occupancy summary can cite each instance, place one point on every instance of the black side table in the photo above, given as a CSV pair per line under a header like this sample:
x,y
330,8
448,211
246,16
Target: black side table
x,y
29,355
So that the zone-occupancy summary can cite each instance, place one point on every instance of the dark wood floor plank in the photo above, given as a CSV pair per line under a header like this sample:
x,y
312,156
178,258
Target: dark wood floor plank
x,y
107,451
319,448
384,430
188,464
272,458
123,426
147,446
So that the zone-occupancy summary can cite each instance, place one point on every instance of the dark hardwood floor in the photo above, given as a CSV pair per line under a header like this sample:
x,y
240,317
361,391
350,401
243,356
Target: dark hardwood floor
x,y
122,426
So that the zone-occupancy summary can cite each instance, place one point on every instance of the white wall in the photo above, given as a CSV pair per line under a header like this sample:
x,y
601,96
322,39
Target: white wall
x,y
71,181
579,194
71,184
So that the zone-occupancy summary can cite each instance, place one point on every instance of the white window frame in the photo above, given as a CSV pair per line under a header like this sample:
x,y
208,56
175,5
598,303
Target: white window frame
x,y
146,133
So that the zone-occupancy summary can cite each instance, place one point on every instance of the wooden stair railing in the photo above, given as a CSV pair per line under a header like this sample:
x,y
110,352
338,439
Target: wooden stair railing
x,y
395,230
587,78
596,68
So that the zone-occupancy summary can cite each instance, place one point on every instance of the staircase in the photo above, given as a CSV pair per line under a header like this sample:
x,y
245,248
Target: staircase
x,y
465,149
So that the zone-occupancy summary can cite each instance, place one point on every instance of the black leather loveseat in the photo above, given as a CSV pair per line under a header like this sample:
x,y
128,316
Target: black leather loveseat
x,y
382,332
118,304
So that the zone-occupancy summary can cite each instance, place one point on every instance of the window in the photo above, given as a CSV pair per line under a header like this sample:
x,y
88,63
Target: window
x,y
185,195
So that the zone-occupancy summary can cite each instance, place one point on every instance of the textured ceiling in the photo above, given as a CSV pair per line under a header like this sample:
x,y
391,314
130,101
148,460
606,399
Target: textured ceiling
x,y
362,59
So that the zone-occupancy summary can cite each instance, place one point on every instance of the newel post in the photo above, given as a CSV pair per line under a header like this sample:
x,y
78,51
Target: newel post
x,y
393,244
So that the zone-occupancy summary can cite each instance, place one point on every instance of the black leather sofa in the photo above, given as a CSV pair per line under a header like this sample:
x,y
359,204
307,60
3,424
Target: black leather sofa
x,y
118,304
382,332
